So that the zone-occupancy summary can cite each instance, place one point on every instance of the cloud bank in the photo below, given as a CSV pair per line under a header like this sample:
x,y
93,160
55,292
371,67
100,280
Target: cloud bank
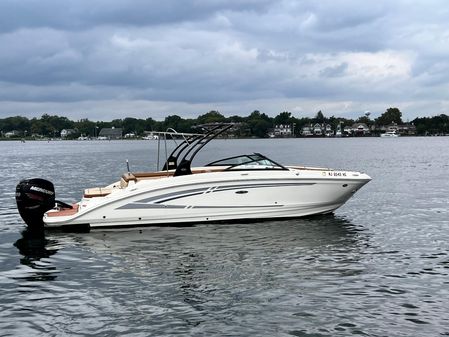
x,y
105,60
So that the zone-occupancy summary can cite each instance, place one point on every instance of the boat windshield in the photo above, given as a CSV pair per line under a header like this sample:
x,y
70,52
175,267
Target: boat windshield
x,y
248,161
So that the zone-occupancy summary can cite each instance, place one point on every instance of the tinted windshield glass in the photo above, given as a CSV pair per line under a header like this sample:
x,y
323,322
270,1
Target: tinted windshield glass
x,y
252,161
232,161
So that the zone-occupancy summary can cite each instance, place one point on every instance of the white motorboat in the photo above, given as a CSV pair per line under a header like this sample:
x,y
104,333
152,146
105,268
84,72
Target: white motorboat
x,y
151,136
387,134
243,187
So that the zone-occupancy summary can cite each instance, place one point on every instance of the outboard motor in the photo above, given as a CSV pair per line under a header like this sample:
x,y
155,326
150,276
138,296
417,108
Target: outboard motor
x,y
34,197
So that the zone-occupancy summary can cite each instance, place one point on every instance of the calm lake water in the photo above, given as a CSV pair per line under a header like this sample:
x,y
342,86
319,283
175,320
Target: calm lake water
x,y
378,267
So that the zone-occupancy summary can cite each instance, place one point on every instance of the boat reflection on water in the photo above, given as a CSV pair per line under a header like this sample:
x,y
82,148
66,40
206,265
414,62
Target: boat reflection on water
x,y
192,267
226,249
35,247
189,251
307,232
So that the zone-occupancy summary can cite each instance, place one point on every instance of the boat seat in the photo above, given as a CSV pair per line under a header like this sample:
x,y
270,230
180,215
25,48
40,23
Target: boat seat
x,y
97,192
144,175
137,176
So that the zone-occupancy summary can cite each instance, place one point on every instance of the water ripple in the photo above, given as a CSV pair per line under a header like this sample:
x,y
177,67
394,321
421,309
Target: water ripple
x,y
379,267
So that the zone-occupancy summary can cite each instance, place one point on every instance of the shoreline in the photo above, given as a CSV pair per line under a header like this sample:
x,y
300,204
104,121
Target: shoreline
x,y
22,140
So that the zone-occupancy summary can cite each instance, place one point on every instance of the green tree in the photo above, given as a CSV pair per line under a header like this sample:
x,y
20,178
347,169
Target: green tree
x,y
283,118
86,127
391,115
150,124
133,125
256,114
116,123
259,127
172,121
435,125
237,119
51,125
364,119
319,118
211,117
17,123
258,124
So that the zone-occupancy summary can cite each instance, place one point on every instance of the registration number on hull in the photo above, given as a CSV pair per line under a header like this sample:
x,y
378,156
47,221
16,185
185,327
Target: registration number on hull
x,y
334,174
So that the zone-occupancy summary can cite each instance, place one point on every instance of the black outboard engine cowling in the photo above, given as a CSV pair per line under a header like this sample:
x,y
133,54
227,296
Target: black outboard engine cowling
x,y
34,197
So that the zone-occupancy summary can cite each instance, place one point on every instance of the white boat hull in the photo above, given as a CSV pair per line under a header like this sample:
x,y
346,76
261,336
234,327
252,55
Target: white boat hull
x,y
389,135
216,196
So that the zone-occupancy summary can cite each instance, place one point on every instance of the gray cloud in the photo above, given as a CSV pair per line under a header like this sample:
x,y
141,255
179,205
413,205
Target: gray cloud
x,y
183,55
85,14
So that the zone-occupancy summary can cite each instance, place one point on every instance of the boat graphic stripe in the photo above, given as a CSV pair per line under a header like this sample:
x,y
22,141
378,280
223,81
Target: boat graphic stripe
x,y
136,206
173,194
229,188
261,206
233,187
157,201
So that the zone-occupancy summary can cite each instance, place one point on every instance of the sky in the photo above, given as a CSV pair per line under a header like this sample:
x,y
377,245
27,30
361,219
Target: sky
x,y
107,59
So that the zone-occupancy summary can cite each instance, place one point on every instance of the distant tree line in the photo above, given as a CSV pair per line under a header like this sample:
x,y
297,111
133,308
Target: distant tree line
x,y
256,124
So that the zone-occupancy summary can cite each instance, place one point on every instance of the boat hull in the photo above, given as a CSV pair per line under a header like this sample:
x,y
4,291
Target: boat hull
x,y
389,135
214,197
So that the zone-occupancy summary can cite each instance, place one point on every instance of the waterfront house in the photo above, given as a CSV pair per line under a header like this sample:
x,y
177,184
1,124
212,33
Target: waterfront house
x,y
347,130
338,132
317,130
13,133
281,130
360,129
111,133
407,129
307,131
67,132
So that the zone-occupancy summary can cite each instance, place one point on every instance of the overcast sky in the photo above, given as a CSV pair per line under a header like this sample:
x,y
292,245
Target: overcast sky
x,y
106,59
